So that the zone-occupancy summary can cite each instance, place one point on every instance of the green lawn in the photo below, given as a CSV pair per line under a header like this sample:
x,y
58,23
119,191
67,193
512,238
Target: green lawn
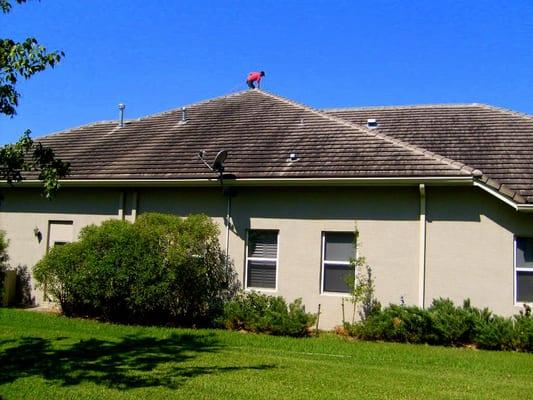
x,y
49,357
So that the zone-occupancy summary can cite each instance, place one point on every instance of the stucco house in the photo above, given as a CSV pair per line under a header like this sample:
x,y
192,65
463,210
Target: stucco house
x,y
442,195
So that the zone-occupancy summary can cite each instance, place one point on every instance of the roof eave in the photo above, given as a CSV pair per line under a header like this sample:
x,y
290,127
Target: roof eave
x,y
294,182
206,182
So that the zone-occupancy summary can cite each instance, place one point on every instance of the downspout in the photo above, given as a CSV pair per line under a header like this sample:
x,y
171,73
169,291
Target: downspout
x,y
134,205
422,247
121,206
228,216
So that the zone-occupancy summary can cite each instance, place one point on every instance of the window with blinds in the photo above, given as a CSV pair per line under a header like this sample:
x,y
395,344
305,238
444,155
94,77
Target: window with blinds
x,y
262,259
524,270
337,250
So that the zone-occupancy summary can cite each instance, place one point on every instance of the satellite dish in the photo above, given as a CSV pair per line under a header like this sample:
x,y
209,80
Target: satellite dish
x,y
218,164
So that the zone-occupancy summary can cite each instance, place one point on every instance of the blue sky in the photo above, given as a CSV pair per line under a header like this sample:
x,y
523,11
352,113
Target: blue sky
x,y
156,55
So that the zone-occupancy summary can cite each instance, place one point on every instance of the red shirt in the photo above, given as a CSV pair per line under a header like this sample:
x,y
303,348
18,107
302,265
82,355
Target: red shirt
x,y
254,76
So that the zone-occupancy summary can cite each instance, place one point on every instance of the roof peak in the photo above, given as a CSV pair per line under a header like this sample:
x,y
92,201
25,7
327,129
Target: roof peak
x,y
431,106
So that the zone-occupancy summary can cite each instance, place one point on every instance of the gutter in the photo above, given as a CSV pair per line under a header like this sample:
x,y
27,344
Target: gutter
x,y
528,208
496,194
207,182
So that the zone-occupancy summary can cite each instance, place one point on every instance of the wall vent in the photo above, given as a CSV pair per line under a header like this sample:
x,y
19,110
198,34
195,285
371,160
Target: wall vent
x,y
293,157
371,123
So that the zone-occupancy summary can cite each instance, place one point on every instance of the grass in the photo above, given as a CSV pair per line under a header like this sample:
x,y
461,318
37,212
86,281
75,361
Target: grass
x,y
50,357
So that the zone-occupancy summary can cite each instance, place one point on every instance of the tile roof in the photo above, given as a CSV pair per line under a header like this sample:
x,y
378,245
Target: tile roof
x,y
496,141
258,129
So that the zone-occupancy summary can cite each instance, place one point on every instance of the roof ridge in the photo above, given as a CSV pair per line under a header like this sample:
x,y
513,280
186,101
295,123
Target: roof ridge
x,y
195,104
396,107
96,123
169,111
455,164
506,110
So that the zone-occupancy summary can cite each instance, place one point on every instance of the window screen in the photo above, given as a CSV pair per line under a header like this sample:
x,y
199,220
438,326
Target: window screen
x,y
337,252
524,270
262,259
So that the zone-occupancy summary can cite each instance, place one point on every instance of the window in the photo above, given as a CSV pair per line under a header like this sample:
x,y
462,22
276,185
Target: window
x,y
524,270
59,233
337,250
262,259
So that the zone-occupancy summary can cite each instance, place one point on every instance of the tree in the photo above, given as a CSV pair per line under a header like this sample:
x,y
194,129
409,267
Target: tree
x,y
23,60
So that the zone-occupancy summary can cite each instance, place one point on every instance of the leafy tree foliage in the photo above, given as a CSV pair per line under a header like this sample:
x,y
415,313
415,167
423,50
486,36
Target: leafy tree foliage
x,y
23,60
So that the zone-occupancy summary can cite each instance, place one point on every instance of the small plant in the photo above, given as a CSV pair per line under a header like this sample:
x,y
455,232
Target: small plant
x,y
361,285
256,312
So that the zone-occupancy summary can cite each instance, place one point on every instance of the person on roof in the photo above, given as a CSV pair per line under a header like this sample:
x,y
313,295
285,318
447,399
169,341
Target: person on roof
x,y
254,77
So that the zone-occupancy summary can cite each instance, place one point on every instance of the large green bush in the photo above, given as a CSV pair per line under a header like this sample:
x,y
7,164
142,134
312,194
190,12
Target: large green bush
x,y
162,269
256,312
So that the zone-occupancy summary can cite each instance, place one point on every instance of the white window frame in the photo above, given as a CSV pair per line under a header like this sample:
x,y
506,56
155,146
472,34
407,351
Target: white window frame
x,y
517,270
323,267
276,260
49,243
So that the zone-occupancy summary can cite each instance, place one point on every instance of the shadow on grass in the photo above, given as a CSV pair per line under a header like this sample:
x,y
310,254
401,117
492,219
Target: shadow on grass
x,y
132,362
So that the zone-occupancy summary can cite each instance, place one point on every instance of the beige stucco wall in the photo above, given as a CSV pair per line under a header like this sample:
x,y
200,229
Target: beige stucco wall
x,y
22,211
388,227
469,235
470,247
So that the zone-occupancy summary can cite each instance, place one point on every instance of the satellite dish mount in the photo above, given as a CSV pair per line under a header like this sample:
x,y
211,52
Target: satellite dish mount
x,y
218,163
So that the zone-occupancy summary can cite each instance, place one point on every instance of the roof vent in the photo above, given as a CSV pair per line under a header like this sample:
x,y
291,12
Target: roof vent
x,y
293,157
121,108
371,123
183,119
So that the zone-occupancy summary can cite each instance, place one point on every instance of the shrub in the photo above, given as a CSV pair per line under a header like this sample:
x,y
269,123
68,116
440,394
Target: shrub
x,y
162,269
453,325
445,324
256,312
395,323
496,333
523,340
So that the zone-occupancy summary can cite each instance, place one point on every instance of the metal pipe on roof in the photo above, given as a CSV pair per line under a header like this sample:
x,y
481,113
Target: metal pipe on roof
x,y
121,108
183,115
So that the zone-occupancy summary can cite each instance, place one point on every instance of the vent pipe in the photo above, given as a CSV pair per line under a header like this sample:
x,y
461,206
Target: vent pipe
x,y
121,108
183,115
